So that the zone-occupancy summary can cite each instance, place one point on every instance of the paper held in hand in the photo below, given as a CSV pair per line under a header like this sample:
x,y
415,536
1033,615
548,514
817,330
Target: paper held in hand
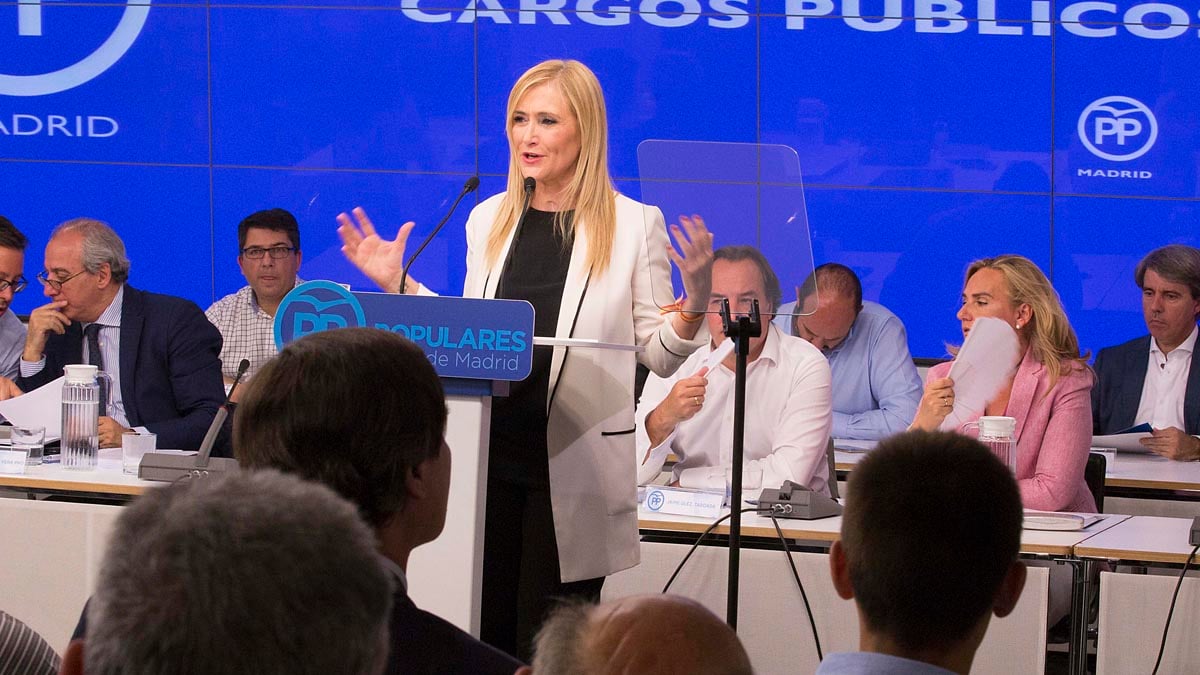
x,y
41,407
986,361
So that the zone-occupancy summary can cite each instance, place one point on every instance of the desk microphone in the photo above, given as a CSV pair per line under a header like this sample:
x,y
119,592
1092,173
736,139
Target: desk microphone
x,y
170,468
530,185
472,183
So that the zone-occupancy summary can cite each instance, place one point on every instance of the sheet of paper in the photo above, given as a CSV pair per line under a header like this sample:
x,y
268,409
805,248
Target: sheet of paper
x,y
1122,442
851,445
716,356
41,407
986,360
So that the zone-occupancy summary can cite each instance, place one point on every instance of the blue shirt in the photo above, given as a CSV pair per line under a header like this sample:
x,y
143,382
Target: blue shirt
x,y
876,387
12,343
870,663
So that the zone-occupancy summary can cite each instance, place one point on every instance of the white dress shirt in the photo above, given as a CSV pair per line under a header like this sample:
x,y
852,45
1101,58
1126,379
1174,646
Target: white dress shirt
x,y
1165,385
788,419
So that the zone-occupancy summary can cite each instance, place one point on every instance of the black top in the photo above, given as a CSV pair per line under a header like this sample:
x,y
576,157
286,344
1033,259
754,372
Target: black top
x,y
536,271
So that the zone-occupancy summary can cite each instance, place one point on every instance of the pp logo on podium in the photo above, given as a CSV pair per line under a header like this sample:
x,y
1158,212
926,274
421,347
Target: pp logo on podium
x,y
1118,128
655,500
30,25
314,307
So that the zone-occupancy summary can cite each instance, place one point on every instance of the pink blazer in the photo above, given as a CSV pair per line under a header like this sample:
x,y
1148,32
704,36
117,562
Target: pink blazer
x,y
1054,435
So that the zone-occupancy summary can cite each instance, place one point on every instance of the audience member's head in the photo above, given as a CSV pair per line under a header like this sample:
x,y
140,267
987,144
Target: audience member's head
x,y
827,308
12,262
362,411
257,572
269,254
929,545
1170,281
85,267
652,634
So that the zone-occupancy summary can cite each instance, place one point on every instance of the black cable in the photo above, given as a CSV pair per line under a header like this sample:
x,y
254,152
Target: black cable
x,y
696,545
787,551
1162,645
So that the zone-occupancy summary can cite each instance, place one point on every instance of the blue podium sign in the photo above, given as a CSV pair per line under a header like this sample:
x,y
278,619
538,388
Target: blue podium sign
x,y
462,337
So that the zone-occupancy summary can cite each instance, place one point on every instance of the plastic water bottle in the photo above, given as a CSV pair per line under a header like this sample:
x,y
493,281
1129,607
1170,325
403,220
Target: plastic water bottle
x,y
80,418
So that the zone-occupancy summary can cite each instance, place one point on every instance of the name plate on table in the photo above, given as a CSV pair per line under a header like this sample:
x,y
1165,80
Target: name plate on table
x,y
467,338
13,461
684,502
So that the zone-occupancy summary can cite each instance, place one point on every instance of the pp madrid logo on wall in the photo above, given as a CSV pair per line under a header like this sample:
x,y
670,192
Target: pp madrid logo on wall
x,y
29,25
1118,128
316,306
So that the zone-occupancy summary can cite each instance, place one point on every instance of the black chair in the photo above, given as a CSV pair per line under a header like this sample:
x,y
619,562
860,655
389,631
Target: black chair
x,y
833,476
1093,475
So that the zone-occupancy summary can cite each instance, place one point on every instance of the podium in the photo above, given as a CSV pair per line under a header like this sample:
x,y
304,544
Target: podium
x,y
476,346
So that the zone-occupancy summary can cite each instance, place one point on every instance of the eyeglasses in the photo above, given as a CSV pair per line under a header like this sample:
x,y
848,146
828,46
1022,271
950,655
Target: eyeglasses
x,y
56,284
277,252
17,285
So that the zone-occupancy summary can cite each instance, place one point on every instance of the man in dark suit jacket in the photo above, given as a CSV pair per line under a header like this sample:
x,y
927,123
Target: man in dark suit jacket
x,y
362,411
1155,379
167,376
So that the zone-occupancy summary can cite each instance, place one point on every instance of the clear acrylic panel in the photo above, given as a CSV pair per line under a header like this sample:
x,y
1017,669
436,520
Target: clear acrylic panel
x,y
748,194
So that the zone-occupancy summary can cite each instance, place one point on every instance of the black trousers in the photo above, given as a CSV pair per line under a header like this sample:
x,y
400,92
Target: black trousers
x,y
521,576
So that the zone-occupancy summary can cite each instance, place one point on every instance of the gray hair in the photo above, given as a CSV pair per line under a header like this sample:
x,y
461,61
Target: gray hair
x,y
558,645
258,572
101,246
1176,263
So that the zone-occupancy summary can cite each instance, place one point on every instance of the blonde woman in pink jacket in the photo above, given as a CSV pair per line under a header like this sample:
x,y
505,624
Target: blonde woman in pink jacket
x,y
1050,394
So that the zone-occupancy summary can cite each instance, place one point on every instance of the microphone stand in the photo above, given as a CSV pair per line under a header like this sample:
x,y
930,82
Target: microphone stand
x,y
740,331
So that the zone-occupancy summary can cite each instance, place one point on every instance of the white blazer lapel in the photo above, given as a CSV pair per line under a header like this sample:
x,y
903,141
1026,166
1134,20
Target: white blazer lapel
x,y
492,281
578,276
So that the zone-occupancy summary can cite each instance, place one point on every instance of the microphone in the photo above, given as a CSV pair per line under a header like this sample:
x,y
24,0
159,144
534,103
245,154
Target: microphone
x,y
210,438
170,467
472,183
530,184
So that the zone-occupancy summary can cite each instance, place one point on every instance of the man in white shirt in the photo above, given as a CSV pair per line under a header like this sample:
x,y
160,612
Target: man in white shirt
x,y
788,414
1154,379
269,257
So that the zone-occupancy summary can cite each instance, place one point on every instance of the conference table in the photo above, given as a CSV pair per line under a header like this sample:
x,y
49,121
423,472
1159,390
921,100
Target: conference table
x,y
73,537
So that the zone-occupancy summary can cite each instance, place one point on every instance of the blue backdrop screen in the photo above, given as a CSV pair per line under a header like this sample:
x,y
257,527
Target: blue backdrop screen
x,y
929,132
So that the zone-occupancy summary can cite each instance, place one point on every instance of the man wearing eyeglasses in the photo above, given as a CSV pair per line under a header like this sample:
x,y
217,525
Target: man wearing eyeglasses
x,y
269,257
12,331
159,350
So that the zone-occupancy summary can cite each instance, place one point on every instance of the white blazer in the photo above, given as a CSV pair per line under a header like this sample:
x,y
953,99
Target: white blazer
x,y
590,434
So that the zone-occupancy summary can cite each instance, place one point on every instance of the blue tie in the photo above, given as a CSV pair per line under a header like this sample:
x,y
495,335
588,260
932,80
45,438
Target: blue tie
x,y
95,358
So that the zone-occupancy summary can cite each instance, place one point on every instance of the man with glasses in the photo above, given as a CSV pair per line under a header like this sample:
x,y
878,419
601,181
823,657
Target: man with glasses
x,y
269,256
159,350
12,281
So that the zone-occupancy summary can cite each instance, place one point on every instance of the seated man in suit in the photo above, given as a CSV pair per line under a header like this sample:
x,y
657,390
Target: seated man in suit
x,y
787,395
1154,379
362,411
253,572
269,256
876,387
646,634
923,579
159,350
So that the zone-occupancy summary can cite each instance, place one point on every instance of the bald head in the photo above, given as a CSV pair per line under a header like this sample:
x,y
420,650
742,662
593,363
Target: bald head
x,y
656,634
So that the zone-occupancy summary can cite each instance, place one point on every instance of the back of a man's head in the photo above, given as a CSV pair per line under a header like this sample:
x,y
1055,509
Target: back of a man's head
x,y
650,634
931,529
257,572
354,408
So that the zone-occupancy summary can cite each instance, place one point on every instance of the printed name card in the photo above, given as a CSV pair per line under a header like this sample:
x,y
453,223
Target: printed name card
x,y
12,461
683,502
